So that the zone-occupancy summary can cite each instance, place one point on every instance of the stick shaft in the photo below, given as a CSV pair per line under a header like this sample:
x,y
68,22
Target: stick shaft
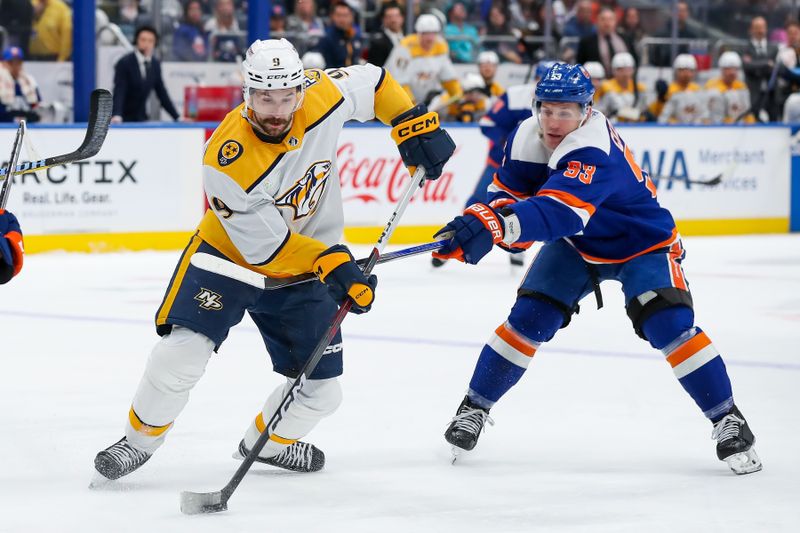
x,y
416,181
12,163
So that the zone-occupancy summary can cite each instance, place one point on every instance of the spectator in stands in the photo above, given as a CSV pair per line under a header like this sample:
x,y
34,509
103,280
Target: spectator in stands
x,y
129,17
728,97
277,22
304,27
487,68
52,31
421,63
662,54
342,43
461,36
19,92
390,35
623,97
686,103
190,41
498,26
580,25
789,60
226,39
758,61
603,45
137,74
632,31
16,16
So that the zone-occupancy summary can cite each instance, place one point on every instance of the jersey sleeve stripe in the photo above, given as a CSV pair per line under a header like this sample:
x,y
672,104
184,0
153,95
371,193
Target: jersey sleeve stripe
x,y
569,200
380,80
277,250
503,187
266,173
333,108
662,244
583,214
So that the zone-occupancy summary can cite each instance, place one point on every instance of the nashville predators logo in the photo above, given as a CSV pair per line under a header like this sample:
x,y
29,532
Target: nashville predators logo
x,y
229,152
209,300
305,194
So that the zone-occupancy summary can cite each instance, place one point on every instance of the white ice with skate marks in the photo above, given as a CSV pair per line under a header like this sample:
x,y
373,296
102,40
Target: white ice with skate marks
x,y
598,435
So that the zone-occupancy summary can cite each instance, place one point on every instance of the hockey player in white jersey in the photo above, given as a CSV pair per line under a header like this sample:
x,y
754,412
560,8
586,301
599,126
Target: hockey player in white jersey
x,y
728,96
622,97
686,101
421,64
272,183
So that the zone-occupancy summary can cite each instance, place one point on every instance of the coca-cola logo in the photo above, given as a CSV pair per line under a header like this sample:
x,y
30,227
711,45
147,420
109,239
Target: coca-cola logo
x,y
380,178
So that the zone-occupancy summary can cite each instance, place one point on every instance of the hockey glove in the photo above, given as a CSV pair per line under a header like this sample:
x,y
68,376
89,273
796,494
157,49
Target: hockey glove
x,y
11,248
474,233
515,247
421,142
338,270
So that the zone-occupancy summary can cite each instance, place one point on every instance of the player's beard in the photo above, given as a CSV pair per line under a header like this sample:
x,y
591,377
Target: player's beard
x,y
274,126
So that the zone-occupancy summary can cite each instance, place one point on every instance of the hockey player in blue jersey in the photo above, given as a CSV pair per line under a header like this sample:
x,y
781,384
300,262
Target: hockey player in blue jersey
x,y
570,181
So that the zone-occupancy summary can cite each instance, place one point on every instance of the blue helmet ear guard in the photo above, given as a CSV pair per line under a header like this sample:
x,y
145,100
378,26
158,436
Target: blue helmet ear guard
x,y
566,83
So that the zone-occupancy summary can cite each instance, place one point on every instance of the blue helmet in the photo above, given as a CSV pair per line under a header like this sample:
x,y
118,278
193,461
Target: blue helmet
x,y
542,67
566,83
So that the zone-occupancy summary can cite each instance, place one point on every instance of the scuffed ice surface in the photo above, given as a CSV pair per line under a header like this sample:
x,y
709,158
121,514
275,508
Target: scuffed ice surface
x,y
598,436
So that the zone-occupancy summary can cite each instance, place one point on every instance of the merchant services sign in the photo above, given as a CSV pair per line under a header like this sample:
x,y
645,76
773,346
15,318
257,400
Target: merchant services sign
x,y
143,180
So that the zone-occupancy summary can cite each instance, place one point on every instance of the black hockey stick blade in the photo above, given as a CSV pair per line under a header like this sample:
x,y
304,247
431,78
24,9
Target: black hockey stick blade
x,y
101,107
203,502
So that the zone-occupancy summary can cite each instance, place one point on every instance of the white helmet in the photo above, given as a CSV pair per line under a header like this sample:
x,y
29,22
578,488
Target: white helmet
x,y
313,60
595,70
684,61
268,66
428,24
488,56
622,60
472,81
729,59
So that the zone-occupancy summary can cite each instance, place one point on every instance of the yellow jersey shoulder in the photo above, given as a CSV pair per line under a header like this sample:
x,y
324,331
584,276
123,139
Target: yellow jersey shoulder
x,y
412,43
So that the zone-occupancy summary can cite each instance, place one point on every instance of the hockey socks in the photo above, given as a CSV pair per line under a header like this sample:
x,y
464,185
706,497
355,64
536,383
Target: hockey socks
x,y
510,349
693,358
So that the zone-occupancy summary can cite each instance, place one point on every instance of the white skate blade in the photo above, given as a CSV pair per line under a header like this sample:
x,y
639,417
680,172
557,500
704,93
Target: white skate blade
x,y
456,452
744,462
98,481
237,455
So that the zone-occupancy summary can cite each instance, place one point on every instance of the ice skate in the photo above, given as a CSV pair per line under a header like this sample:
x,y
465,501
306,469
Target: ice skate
x,y
735,443
119,459
466,427
299,457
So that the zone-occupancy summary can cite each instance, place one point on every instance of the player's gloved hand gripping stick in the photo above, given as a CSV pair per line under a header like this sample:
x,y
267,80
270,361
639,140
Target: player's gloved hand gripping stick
x,y
212,502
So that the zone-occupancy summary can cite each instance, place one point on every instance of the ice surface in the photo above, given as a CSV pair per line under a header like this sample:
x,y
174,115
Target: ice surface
x,y
598,436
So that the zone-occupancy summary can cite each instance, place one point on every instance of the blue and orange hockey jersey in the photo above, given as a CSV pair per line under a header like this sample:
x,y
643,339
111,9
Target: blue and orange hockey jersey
x,y
511,108
589,190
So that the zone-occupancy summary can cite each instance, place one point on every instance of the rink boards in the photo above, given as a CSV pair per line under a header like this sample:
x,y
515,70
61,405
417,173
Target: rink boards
x,y
144,189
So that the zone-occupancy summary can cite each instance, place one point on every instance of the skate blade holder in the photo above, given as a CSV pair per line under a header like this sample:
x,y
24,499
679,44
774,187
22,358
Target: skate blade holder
x,y
745,462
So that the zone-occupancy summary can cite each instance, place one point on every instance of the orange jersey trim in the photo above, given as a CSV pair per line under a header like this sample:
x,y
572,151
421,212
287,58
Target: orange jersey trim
x,y
662,244
569,199
497,183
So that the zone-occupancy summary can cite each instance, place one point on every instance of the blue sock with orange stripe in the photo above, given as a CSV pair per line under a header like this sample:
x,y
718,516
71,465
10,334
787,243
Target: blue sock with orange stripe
x,y
510,349
694,360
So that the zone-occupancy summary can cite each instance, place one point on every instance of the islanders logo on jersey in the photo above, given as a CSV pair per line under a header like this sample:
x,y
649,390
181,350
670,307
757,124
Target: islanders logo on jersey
x,y
229,152
304,196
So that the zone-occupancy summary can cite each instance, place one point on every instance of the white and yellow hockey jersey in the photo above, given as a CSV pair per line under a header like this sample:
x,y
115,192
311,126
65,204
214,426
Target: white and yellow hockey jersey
x,y
423,72
276,207
622,104
685,105
726,103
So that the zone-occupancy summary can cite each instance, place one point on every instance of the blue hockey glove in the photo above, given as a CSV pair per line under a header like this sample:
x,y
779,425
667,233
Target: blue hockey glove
x,y
474,233
421,142
11,248
338,270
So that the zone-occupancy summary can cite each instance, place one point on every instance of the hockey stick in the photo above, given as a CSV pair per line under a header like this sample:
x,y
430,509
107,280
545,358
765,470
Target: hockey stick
x,y
100,109
213,502
12,163
223,267
711,182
